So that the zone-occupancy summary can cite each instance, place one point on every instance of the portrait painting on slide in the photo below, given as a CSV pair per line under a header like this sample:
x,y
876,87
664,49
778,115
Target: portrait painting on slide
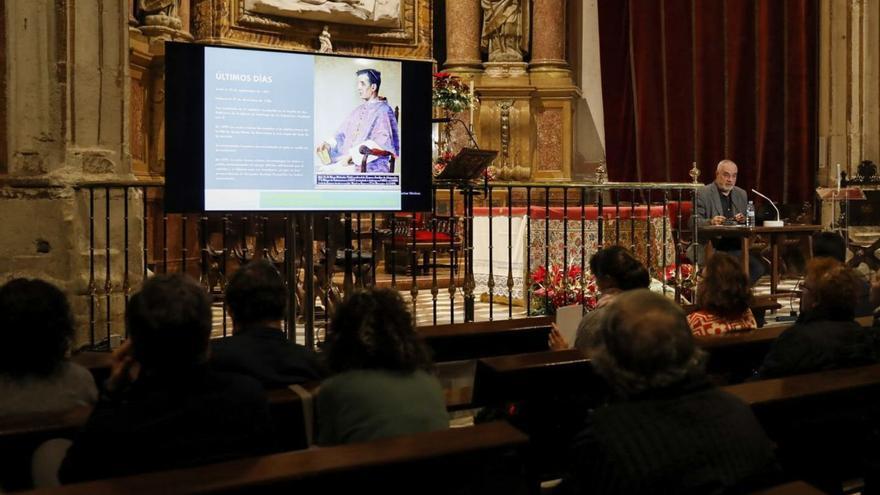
x,y
357,122
374,13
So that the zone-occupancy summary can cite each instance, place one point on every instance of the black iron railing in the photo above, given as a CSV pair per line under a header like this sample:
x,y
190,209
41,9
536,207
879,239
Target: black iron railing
x,y
471,258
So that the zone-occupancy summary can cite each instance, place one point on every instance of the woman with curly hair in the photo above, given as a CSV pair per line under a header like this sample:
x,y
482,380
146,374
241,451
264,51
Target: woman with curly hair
x,y
722,298
36,327
382,386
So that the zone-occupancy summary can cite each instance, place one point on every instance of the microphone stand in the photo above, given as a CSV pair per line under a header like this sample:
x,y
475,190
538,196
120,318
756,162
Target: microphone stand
x,y
771,223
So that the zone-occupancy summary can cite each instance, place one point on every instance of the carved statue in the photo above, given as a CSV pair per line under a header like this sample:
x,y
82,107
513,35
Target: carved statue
x,y
505,29
160,13
324,40
373,13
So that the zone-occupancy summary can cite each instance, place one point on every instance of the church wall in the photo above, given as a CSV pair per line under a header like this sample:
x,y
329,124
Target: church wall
x,y
849,93
66,129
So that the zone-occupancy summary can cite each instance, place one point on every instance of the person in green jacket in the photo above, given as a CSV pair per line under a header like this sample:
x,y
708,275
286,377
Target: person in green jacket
x,y
381,385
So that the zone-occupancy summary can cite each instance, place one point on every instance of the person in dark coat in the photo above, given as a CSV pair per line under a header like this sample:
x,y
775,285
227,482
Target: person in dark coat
x,y
256,298
832,245
668,429
164,407
825,335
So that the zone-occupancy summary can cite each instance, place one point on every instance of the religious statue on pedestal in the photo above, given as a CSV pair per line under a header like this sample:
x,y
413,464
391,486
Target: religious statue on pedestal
x,y
505,29
326,46
160,13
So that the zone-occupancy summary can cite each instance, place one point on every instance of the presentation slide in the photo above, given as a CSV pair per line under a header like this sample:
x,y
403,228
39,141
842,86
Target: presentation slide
x,y
289,131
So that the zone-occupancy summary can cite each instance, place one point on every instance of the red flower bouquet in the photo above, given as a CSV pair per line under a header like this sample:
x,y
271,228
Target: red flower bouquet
x,y
557,287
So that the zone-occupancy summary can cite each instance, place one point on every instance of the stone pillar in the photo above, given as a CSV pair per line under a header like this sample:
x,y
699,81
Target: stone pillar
x,y
548,35
554,101
462,36
67,65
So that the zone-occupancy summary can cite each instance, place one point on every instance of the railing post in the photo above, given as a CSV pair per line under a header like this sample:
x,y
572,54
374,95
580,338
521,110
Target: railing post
x,y
469,283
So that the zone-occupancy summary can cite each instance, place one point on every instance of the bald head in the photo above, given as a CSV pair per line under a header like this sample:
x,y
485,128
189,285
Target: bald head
x,y
725,175
644,343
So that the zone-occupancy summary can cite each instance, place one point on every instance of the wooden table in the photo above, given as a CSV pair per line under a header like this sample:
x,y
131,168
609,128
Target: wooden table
x,y
747,234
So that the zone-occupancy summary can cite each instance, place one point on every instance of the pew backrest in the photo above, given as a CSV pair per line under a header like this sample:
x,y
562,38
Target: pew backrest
x,y
455,342
430,462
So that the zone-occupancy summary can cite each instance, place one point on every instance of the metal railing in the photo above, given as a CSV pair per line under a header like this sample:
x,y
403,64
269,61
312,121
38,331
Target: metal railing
x,y
479,245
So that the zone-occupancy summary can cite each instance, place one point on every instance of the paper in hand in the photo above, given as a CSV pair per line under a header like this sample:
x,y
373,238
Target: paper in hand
x,y
567,320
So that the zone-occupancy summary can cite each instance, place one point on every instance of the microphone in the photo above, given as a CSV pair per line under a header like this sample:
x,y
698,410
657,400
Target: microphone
x,y
771,223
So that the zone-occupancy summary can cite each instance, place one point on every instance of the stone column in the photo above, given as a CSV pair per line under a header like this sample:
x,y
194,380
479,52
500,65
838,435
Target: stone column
x,y
548,35
462,36
67,65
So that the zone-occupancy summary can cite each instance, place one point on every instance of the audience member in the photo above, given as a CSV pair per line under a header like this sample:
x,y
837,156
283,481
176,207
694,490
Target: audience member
x,y
825,335
165,407
257,299
616,270
832,245
668,430
723,298
382,387
36,327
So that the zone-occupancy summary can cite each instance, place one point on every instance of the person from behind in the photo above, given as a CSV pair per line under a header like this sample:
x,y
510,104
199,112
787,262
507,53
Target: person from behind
x,y
832,245
381,385
825,335
616,271
36,327
667,429
257,300
723,299
165,408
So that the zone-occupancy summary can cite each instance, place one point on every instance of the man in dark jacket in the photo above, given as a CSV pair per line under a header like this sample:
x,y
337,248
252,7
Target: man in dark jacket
x,y
669,430
825,335
164,407
256,298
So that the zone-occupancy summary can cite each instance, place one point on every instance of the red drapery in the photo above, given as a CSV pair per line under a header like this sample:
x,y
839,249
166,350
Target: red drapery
x,y
702,80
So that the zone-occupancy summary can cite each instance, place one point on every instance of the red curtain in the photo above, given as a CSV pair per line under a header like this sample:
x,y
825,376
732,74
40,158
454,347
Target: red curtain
x,y
702,80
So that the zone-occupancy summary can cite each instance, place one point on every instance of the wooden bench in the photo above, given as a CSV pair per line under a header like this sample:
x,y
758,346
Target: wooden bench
x,y
19,436
479,459
460,341
823,423
545,394
793,488
735,356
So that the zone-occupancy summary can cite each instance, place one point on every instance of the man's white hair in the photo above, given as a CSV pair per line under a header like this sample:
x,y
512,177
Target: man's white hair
x,y
722,162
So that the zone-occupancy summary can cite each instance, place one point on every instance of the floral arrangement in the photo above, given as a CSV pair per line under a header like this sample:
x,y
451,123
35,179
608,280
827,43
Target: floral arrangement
x,y
450,93
685,282
557,287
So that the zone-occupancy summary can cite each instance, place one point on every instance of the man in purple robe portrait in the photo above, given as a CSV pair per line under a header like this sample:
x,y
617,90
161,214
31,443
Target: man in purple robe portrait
x,y
371,124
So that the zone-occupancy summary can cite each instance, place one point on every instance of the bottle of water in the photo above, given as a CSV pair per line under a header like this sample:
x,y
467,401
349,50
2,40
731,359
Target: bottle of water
x,y
750,214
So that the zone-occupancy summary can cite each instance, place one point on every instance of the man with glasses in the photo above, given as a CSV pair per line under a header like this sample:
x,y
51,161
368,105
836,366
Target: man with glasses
x,y
723,203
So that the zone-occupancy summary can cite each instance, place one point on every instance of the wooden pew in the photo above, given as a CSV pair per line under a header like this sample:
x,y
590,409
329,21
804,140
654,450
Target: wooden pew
x,y
546,394
733,357
460,341
823,423
479,459
793,488
19,436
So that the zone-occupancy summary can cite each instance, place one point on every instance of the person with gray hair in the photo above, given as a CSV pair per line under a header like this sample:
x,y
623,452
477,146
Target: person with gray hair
x,y
719,203
667,429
